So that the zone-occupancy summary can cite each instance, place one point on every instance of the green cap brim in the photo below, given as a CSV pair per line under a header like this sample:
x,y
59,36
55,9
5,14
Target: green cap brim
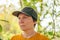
x,y
16,13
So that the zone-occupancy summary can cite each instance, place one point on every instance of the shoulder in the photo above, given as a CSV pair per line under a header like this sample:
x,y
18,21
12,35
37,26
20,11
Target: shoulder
x,y
42,37
15,37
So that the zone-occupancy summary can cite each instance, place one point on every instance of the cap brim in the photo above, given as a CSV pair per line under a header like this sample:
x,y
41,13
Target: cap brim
x,y
16,13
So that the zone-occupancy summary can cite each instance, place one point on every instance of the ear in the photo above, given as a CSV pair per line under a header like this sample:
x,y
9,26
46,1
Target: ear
x,y
35,22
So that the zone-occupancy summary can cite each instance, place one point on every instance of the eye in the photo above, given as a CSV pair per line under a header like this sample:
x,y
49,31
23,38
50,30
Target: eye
x,y
18,17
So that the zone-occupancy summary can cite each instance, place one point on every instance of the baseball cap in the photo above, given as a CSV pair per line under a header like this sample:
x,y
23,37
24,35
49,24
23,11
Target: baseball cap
x,y
28,11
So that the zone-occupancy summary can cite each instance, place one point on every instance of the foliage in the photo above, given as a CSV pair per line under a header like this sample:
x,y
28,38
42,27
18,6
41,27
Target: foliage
x,y
0,28
48,17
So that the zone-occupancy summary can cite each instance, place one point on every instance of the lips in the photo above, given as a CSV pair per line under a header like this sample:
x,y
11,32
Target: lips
x,y
22,25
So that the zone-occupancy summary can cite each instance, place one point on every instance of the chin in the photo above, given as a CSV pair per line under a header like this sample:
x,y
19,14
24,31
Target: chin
x,y
24,29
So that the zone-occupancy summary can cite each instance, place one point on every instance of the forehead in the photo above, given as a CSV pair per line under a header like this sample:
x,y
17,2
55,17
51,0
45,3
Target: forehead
x,y
23,14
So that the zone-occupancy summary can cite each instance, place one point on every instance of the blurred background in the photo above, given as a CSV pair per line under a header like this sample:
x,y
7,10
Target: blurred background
x,y
48,17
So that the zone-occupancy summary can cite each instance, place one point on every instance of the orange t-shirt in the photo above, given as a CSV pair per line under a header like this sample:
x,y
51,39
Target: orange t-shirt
x,y
37,36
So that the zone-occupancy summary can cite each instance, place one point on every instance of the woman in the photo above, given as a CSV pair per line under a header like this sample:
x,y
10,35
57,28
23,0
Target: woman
x,y
27,21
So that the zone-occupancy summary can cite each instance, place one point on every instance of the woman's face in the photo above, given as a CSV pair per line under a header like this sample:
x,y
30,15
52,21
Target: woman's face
x,y
25,22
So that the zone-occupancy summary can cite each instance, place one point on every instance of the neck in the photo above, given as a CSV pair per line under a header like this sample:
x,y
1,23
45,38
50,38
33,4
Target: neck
x,y
28,33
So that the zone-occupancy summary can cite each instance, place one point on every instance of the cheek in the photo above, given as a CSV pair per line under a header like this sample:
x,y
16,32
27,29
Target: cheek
x,y
29,23
19,23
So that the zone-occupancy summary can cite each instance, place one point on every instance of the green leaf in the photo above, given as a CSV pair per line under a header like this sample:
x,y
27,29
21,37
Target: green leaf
x,y
0,28
40,0
4,20
0,39
50,33
50,23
